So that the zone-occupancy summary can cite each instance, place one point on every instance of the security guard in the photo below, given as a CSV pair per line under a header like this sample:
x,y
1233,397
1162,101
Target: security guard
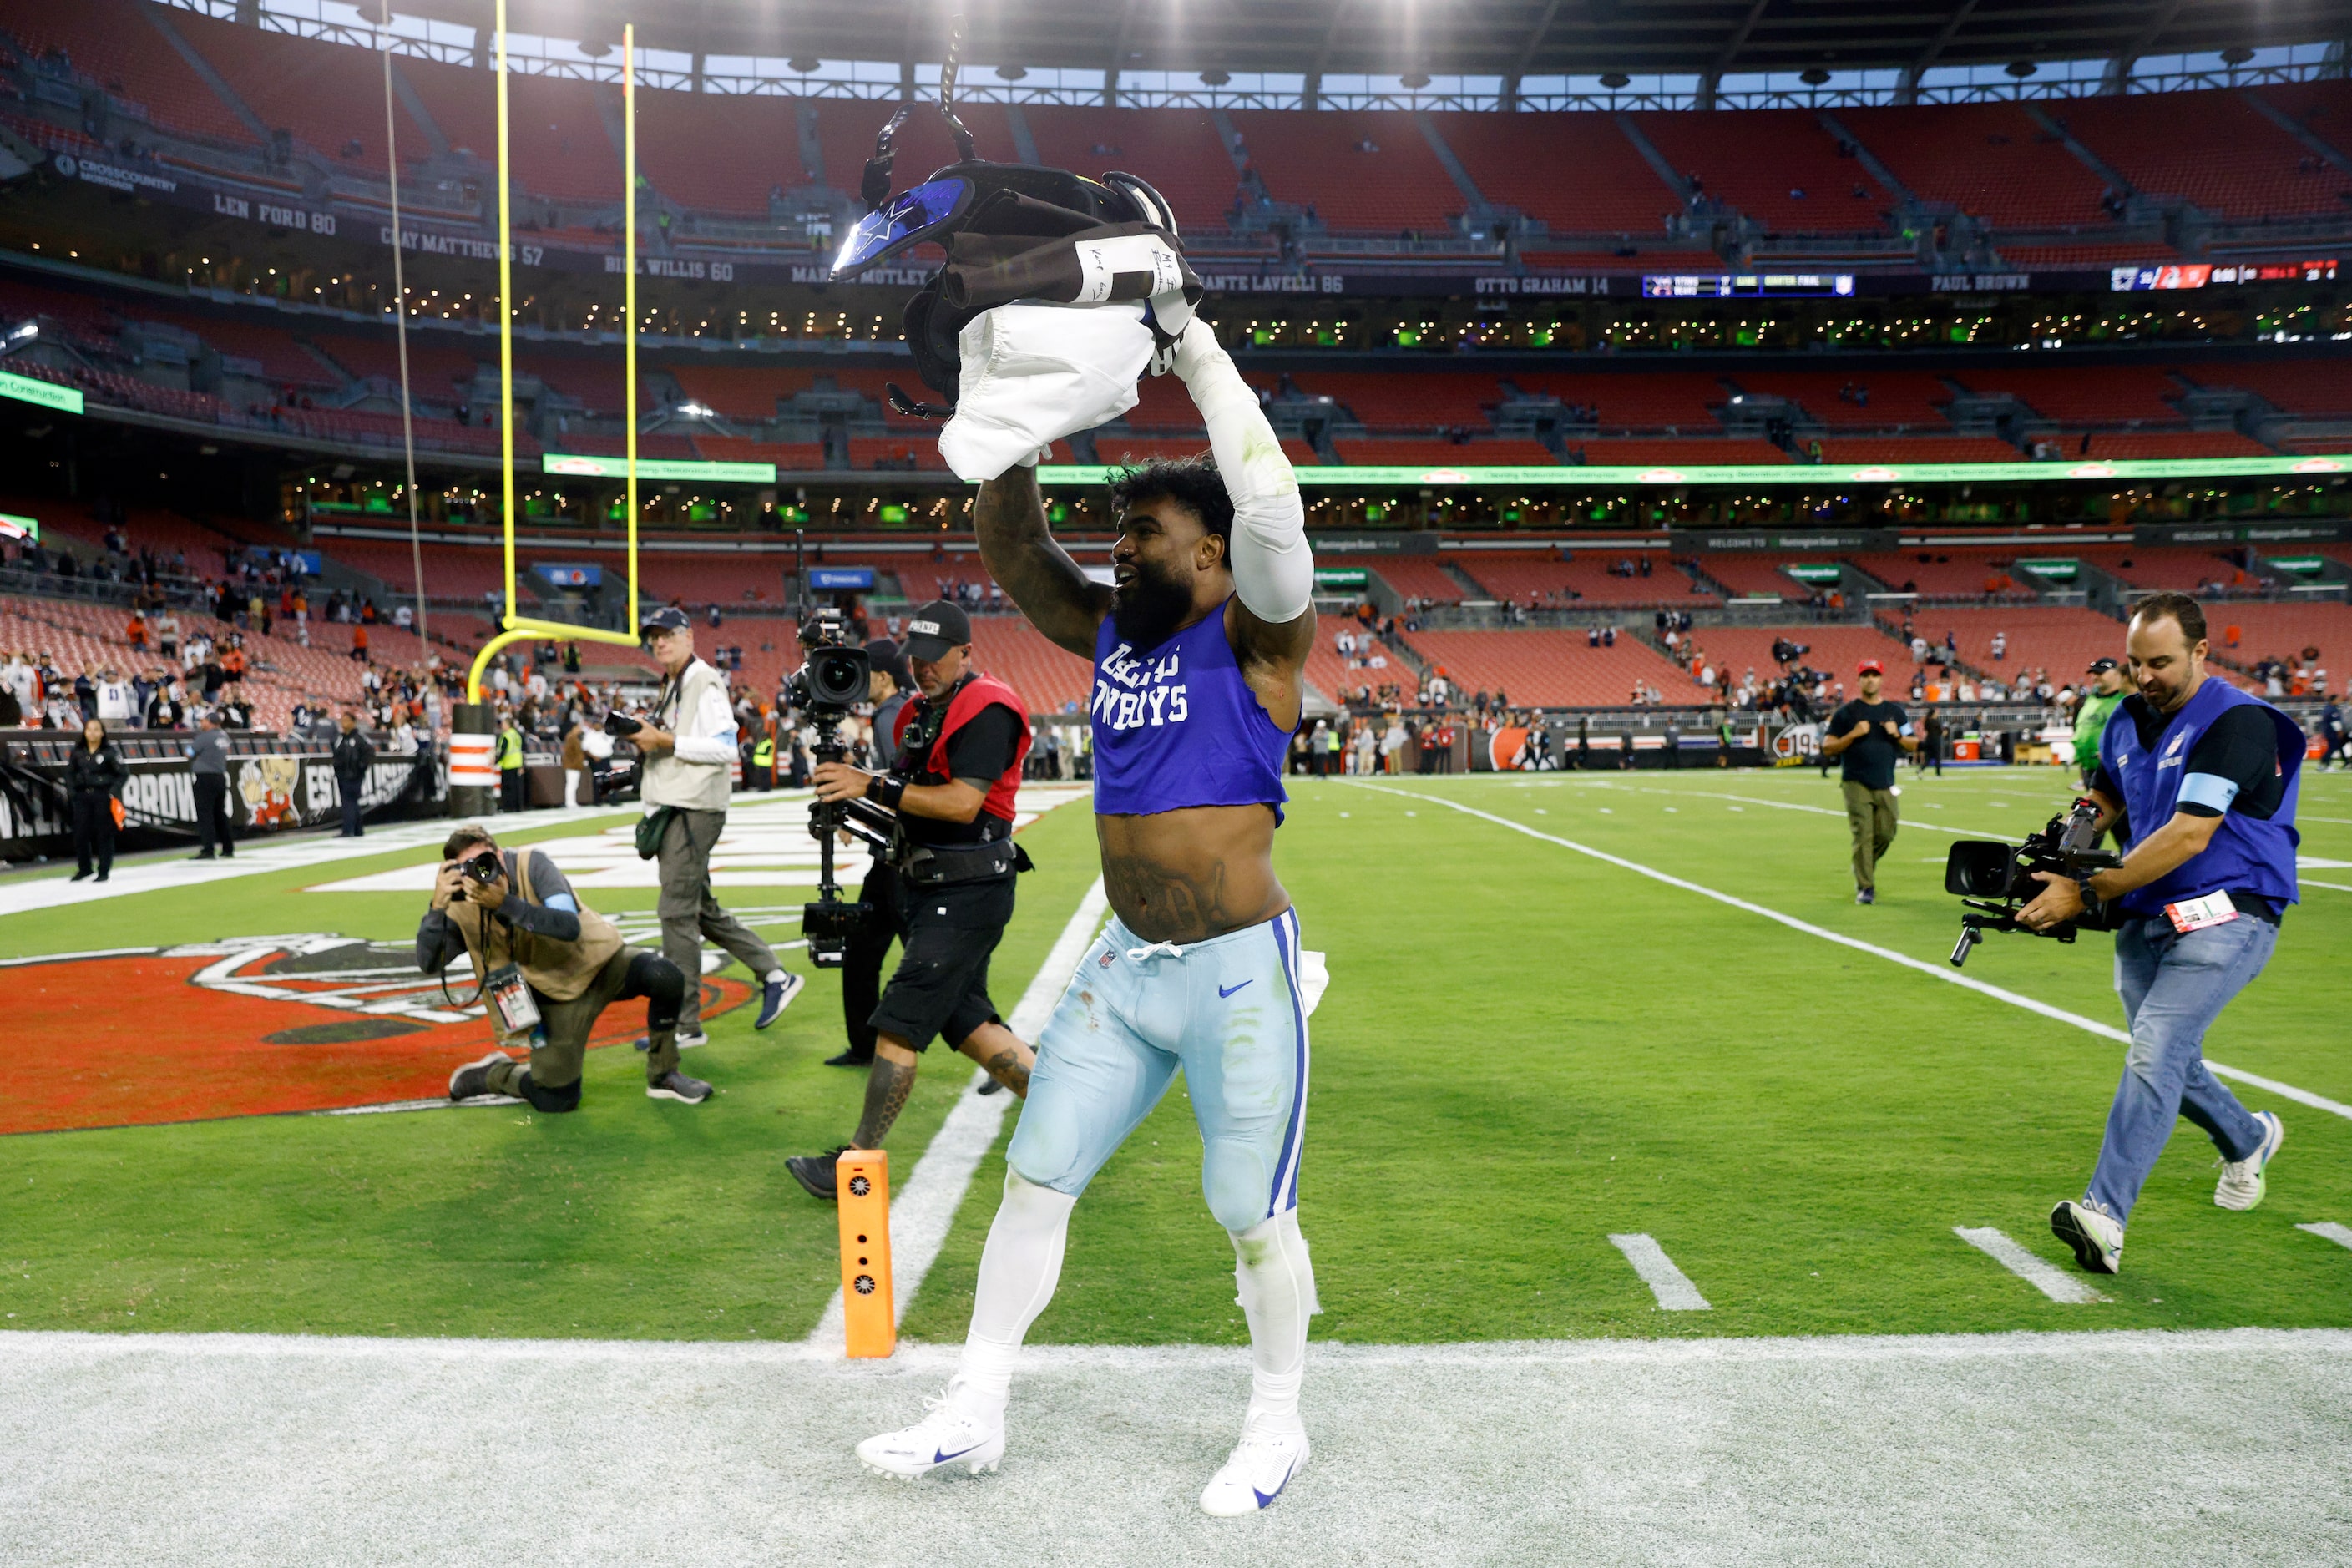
x,y
548,966
512,796
763,762
2201,780
2105,694
959,769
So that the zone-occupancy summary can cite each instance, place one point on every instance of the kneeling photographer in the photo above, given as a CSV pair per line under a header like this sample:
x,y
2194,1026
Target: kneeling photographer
x,y
960,750
547,966
2204,778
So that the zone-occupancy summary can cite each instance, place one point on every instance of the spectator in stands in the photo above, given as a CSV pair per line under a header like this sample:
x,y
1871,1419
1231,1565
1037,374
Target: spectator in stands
x,y
360,644
95,773
234,711
354,754
167,627
166,710
1999,646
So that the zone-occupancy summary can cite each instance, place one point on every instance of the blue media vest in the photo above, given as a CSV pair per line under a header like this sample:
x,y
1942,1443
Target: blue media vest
x,y
2245,853
1176,725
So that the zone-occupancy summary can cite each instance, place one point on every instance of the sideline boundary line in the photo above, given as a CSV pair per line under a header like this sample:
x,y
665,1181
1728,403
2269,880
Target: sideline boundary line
x,y
1949,976
923,1210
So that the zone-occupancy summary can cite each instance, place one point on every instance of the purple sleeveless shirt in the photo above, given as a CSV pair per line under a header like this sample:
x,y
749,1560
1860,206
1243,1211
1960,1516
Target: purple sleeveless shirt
x,y
1177,726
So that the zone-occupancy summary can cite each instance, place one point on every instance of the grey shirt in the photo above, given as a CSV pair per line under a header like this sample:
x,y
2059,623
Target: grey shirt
x,y
208,753
438,940
886,731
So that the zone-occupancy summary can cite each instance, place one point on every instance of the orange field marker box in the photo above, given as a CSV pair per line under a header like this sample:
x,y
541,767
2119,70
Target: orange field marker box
x,y
862,1181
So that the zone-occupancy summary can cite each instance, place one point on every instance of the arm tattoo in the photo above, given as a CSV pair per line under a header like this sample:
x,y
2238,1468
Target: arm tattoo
x,y
888,1084
1060,600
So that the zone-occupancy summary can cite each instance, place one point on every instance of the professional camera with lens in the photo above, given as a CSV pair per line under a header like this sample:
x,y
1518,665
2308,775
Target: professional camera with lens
x,y
1784,651
483,868
1996,880
620,726
832,679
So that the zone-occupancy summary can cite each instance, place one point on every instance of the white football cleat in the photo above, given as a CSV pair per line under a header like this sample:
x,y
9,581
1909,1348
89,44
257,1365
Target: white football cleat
x,y
1263,1463
955,1433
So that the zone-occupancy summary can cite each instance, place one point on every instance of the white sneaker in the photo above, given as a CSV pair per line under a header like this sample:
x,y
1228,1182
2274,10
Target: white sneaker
x,y
2093,1233
2242,1184
1263,1463
955,1433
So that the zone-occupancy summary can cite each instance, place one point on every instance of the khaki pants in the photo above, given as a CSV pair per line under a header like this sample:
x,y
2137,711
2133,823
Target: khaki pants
x,y
1870,816
689,912
556,1062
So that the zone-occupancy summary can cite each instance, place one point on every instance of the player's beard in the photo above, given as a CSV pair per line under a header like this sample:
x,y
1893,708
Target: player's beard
x,y
1148,609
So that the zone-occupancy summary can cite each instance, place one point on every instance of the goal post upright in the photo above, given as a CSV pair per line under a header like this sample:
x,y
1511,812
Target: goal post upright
x,y
518,628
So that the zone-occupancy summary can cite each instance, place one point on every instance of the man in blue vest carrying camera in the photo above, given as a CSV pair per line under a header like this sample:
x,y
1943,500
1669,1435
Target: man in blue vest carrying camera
x,y
2205,777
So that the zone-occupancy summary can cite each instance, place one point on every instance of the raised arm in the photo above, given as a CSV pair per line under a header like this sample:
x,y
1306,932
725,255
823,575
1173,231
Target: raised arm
x,y
1272,621
1058,598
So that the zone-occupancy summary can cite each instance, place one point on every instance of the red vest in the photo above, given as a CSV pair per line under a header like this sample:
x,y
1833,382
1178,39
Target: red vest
x,y
980,692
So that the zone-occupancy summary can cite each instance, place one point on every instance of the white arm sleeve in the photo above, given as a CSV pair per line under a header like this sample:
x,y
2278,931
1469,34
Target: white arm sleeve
x,y
709,733
1273,572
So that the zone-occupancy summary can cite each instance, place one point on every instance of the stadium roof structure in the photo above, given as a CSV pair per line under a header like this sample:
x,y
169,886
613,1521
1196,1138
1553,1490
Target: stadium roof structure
x,y
1506,39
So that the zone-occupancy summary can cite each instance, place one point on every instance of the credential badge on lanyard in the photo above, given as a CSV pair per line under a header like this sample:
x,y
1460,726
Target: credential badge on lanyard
x,y
510,996
2196,914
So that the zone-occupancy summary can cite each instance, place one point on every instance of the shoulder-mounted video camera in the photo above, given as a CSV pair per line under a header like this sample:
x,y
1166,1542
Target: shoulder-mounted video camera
x,y
835,668
1996,880
620,726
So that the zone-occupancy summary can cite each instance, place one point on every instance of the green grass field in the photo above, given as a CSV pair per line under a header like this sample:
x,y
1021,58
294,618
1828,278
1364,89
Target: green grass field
x,y
1523,1050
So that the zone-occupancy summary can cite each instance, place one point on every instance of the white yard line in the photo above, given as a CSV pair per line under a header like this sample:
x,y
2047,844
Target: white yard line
x,y
1670,1284
1837,812
1941,972
2046,1277
924,1208
2340,1235
188,1451
264,853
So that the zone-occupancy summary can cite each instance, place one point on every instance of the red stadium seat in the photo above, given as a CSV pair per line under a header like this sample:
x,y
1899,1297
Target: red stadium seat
x,y
1369,172
2213,148
327,95
1553,668
1989,160
113,44
1519,161
1759,160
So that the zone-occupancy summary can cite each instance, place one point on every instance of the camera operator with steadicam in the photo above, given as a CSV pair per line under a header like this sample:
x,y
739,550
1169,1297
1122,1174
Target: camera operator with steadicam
x,y
890,686
961,748
547,965
2204,778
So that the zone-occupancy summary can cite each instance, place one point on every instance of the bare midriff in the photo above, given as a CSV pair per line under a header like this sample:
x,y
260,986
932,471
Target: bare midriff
x,y
1191,874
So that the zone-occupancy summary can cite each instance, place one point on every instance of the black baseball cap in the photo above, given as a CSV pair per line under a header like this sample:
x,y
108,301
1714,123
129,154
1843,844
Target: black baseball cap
x,y
935,628
2100,666
884,655
668,618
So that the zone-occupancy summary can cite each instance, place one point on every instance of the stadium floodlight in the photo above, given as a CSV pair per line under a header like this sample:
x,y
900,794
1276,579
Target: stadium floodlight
x,y
521,628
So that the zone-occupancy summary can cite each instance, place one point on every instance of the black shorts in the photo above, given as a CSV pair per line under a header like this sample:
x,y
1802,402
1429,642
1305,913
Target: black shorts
x,y
940,986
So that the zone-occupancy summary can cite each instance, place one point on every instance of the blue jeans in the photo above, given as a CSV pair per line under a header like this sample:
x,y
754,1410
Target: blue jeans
x,y
2173,987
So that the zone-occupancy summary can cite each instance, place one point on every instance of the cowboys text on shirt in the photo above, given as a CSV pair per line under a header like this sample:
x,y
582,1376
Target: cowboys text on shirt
x,y
1134,694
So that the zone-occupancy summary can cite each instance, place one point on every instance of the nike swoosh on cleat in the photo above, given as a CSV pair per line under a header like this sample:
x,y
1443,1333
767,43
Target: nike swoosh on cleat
x,y
1265,1500
939,1459
1223,992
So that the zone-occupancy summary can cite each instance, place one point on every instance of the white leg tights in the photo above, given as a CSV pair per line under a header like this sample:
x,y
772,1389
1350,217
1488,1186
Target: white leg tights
x,y
1018,1270
1277,1296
